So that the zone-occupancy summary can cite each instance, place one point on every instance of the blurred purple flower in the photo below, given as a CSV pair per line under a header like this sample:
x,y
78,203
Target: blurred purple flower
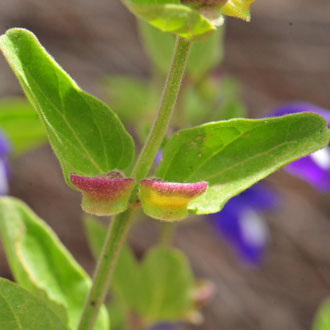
x,y
4,172
241,224
158,157
164,326
314,168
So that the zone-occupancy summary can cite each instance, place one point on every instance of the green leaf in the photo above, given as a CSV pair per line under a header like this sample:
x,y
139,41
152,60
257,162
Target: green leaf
x,y
85,134
40,262
322,319
233,155
204,55
19,309
21,125
171,16
159,288
168,285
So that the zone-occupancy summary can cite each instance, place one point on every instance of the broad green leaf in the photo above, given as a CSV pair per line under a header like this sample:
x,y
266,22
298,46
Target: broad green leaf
x,y
204,55
159,288
171,16
233,155
40,262
21,310
21,125
86,135
168,285
322,318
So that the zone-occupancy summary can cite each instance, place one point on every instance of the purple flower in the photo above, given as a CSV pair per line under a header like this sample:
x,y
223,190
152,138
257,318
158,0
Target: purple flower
x,y
314,168
4,173
164,326
241,224
158,157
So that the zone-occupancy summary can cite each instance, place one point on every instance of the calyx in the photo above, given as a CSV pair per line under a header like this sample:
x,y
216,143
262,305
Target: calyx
x,y
168,200
105,194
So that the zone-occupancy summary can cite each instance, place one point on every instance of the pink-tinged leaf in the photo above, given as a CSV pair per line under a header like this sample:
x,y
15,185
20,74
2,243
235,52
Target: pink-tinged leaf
x,y
169,200
104,195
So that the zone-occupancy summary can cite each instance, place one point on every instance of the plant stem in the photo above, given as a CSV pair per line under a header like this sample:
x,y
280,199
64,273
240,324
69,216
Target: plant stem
x,y
169,97
118,229
167,231
115,237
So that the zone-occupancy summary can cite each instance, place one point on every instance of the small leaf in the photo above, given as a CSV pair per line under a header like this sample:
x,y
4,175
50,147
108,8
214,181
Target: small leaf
x,y
322,318
21,125
85,134
233,155
40,262
171,16
204,56
160,288
168,286
19,309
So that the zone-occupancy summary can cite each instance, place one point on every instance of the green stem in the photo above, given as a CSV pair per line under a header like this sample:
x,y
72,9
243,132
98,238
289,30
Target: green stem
x,y
115,237
118,228
169,97
167,231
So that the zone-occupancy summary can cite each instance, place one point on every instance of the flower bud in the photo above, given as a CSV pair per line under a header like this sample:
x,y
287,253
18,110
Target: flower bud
x,y
105,194
168,200
238,8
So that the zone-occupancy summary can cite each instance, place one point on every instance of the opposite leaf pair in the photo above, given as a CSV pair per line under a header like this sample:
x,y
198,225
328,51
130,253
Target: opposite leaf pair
x,y
109,194
88,138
